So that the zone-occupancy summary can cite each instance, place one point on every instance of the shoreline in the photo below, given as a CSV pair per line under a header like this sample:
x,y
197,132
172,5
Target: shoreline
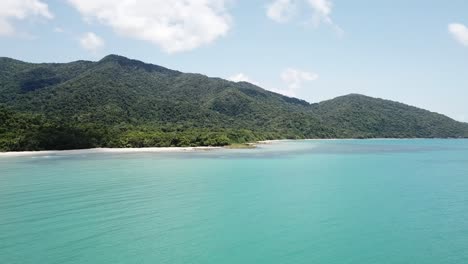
x,y
106,150
344,139
182,149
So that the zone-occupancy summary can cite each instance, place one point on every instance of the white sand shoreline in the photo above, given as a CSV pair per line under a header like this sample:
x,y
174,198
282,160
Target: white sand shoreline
x,y
175,149
105,150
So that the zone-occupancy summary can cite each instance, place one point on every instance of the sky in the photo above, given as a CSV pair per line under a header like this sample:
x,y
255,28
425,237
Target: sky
x,y
411,51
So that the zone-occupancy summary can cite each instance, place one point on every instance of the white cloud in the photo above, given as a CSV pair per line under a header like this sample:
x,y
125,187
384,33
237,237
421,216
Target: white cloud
x,y
459,32
322,9
175,25
91,42
322,13
20,10
281,10
240,77
294,80
58,30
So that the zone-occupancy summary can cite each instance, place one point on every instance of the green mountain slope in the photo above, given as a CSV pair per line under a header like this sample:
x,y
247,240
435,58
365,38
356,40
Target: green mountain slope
x,y
359,116
119,102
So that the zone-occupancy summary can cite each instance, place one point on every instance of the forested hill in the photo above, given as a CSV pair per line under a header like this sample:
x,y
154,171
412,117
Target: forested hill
x,y
119,102
359,116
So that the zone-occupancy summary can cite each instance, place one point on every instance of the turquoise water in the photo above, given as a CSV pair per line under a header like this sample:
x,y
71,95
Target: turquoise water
x,y
350,201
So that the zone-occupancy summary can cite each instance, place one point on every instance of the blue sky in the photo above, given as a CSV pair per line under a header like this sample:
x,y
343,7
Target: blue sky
x,y
412,51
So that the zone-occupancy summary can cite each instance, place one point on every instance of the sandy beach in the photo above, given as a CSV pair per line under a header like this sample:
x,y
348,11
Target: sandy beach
x,y
162,149
105,150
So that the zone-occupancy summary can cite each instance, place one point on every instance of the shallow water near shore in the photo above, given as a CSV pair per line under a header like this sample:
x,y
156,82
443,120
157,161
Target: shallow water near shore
x,y
314,201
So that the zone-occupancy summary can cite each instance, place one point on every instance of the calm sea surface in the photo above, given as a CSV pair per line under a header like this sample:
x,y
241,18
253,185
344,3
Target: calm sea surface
x,y
350,201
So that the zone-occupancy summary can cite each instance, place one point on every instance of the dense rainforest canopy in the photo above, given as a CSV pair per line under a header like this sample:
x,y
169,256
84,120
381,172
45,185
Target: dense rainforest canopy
x,y
119,102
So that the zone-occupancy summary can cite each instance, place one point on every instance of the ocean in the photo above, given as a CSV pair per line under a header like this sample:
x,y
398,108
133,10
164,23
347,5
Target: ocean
x,y
311,201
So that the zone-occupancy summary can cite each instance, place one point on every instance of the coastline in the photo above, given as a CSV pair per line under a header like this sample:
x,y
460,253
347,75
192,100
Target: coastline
x,y
106,150
183,149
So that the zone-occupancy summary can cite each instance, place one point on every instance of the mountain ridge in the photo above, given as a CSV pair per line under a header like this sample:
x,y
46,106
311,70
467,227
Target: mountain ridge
x,y
120,102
